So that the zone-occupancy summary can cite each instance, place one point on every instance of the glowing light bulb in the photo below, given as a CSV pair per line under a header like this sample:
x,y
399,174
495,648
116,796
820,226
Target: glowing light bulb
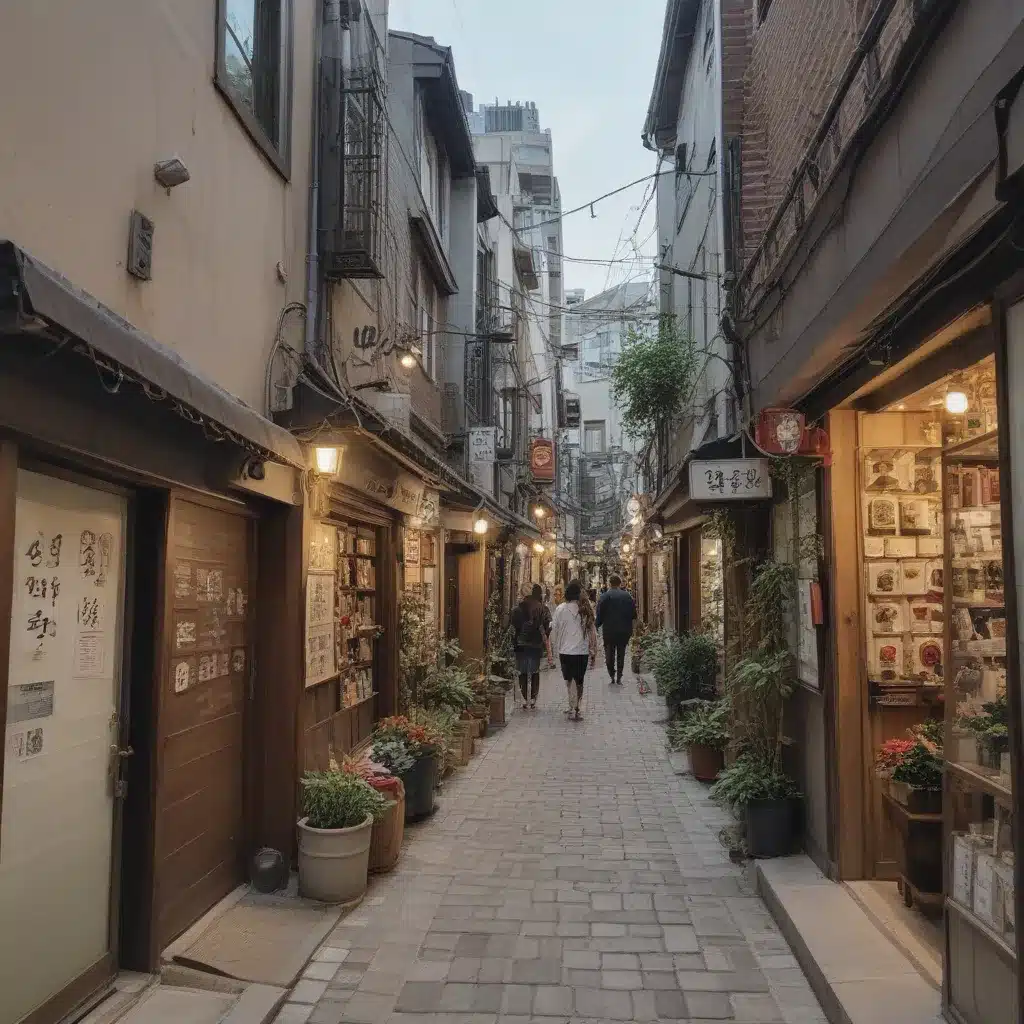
x,y
956,403
481,526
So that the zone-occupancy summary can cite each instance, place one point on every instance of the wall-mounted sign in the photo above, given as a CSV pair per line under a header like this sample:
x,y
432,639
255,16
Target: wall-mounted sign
x,y
382,480
542,459
730,480
482,444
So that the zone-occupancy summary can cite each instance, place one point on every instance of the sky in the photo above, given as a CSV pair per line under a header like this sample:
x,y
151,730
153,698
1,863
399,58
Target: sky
x,y
589,66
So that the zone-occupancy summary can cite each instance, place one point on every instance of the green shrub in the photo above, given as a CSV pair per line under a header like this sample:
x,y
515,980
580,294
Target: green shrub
x,y
684,667
919,768
394,754
448,687
704,723
340,800
749,778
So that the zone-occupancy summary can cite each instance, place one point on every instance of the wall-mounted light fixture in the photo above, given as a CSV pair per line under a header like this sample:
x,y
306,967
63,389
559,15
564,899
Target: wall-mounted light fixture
x,y
540,511
327,459
171,173
538,548
408,360
480,525
626,547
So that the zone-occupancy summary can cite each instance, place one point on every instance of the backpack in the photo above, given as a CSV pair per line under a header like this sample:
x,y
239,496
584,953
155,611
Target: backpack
x,y
528,627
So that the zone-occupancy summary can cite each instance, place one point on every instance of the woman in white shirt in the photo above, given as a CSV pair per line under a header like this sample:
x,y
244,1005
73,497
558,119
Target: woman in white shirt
x,y
574,639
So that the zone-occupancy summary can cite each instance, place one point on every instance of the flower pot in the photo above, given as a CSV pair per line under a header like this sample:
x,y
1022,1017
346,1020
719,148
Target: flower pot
x,y
770,827
706,762
334,862
924,801
387,834
497,710
899,791
420,781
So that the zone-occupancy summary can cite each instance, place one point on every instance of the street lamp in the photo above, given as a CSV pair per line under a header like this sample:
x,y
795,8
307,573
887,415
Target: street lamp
x,y
540,511
538,548
327,460
481,526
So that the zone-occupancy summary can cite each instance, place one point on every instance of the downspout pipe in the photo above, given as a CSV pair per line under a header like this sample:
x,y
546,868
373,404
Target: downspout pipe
x,y
313,238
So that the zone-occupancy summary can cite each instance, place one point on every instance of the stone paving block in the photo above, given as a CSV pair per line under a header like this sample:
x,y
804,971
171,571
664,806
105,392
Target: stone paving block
x,y
420,997
517,999
552,1001
368,1009
760,1008
603,1004
583,959
307,991
681,939
660,980
708,1005
625,980
536,972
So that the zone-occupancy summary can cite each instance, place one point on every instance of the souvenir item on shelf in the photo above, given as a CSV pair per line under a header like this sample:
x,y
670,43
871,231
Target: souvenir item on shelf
x,y
962,625
925,617
887,658
968,677
874,547
926,475
927,659
880,472
970,487
884,578
935,576
954,494
899,547
997,627
931,432
929,546
915,576
886,617
882,515
915,516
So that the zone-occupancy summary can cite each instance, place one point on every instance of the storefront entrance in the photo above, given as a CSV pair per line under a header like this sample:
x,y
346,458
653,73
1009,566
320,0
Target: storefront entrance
x,y
200,848
61,806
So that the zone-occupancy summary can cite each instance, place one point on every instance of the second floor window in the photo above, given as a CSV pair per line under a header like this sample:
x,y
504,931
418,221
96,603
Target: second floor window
x,y
253,73
433,173
593,437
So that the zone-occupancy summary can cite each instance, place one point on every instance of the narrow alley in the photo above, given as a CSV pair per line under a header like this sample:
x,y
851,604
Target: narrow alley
x,y
569,874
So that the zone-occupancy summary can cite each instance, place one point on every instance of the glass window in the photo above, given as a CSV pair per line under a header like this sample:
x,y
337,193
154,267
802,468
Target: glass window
x,y
253,48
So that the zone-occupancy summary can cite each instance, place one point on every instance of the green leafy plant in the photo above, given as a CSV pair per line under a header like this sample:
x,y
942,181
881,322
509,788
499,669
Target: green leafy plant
x,y
685,667
422,646
705,724
394,754
919,768
419,740
654,377
333,800
447,686
990,725
751,777
932,730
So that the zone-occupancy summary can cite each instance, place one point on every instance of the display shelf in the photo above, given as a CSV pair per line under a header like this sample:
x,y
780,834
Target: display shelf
x,y
984,446
901,809
976,922
975,775
360,703
350,666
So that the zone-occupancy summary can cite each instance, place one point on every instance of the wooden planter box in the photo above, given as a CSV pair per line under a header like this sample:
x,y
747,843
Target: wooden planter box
x,y
464,731
387,834
497,709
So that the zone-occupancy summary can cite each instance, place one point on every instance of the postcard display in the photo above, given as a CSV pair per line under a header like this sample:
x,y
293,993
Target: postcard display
x,y
419,561
341,611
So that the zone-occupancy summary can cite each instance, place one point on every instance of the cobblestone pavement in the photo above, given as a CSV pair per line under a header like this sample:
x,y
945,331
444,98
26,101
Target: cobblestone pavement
x,y
568,875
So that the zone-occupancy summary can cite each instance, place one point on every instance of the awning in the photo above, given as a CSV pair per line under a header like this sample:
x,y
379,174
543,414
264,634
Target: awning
x,y
31,292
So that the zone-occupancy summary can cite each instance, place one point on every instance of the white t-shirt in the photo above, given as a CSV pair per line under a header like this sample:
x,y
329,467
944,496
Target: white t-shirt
x,y
567,633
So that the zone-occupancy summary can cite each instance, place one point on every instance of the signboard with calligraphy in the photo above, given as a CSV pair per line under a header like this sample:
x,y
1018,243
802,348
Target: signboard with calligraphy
x,y
483,442
542,459
382,480
730,480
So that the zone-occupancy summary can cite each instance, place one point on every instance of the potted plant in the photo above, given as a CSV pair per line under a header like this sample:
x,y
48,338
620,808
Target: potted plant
x,y
339,810
703,732
889,756
990,729
757,788
685,667
641,631
425,747
920,770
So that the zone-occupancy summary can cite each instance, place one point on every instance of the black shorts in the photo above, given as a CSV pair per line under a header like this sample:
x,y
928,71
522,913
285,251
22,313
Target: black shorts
x,y
574,667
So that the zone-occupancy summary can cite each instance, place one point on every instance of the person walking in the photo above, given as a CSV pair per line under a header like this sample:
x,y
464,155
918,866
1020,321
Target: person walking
x,y
527,620
538,596
574,638
616,612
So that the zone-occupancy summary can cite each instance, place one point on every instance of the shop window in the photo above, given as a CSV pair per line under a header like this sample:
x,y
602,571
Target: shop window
x,y
935,651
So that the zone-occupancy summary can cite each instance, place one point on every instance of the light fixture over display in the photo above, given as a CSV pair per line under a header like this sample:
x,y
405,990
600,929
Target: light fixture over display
x,y
956,403
481,526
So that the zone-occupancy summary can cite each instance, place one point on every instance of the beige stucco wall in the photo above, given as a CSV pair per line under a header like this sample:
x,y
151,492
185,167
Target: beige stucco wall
x,y
94,94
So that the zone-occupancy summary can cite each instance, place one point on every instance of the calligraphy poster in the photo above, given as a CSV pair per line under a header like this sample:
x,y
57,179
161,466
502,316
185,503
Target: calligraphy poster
x,y
412,548
323,548
320,654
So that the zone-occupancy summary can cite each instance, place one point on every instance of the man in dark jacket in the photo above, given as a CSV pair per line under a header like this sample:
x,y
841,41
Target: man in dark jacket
x,y
615,615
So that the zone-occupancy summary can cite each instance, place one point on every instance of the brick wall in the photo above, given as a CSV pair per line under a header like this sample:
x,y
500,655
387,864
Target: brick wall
x,y
797,55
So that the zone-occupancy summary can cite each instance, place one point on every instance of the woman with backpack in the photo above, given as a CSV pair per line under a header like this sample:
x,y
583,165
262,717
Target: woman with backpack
x,y
574,638
530,628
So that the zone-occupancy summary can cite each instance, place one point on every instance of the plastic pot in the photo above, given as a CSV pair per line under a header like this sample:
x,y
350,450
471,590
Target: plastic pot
x,y
334,862
420,781
770,827
705,762
924,801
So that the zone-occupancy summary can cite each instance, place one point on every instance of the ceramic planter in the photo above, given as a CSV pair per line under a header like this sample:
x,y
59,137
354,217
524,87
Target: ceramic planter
x,y
420,781
770,827
334,862
706,762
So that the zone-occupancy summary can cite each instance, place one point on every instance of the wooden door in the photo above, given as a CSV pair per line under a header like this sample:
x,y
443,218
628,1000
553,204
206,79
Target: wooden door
x,y
200,848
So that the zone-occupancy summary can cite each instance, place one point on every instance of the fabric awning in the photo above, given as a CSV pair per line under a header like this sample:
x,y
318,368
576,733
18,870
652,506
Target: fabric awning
x,y
30,290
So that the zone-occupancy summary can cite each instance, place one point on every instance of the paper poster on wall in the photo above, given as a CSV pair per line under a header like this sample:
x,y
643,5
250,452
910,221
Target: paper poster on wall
x,y
412,548
90,656
323,548
26,744
319,598
29,701
320,654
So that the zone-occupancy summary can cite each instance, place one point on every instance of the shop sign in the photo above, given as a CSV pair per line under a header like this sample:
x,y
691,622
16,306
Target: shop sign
x,y
430,509
381,480
483,442
730,480
542,459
